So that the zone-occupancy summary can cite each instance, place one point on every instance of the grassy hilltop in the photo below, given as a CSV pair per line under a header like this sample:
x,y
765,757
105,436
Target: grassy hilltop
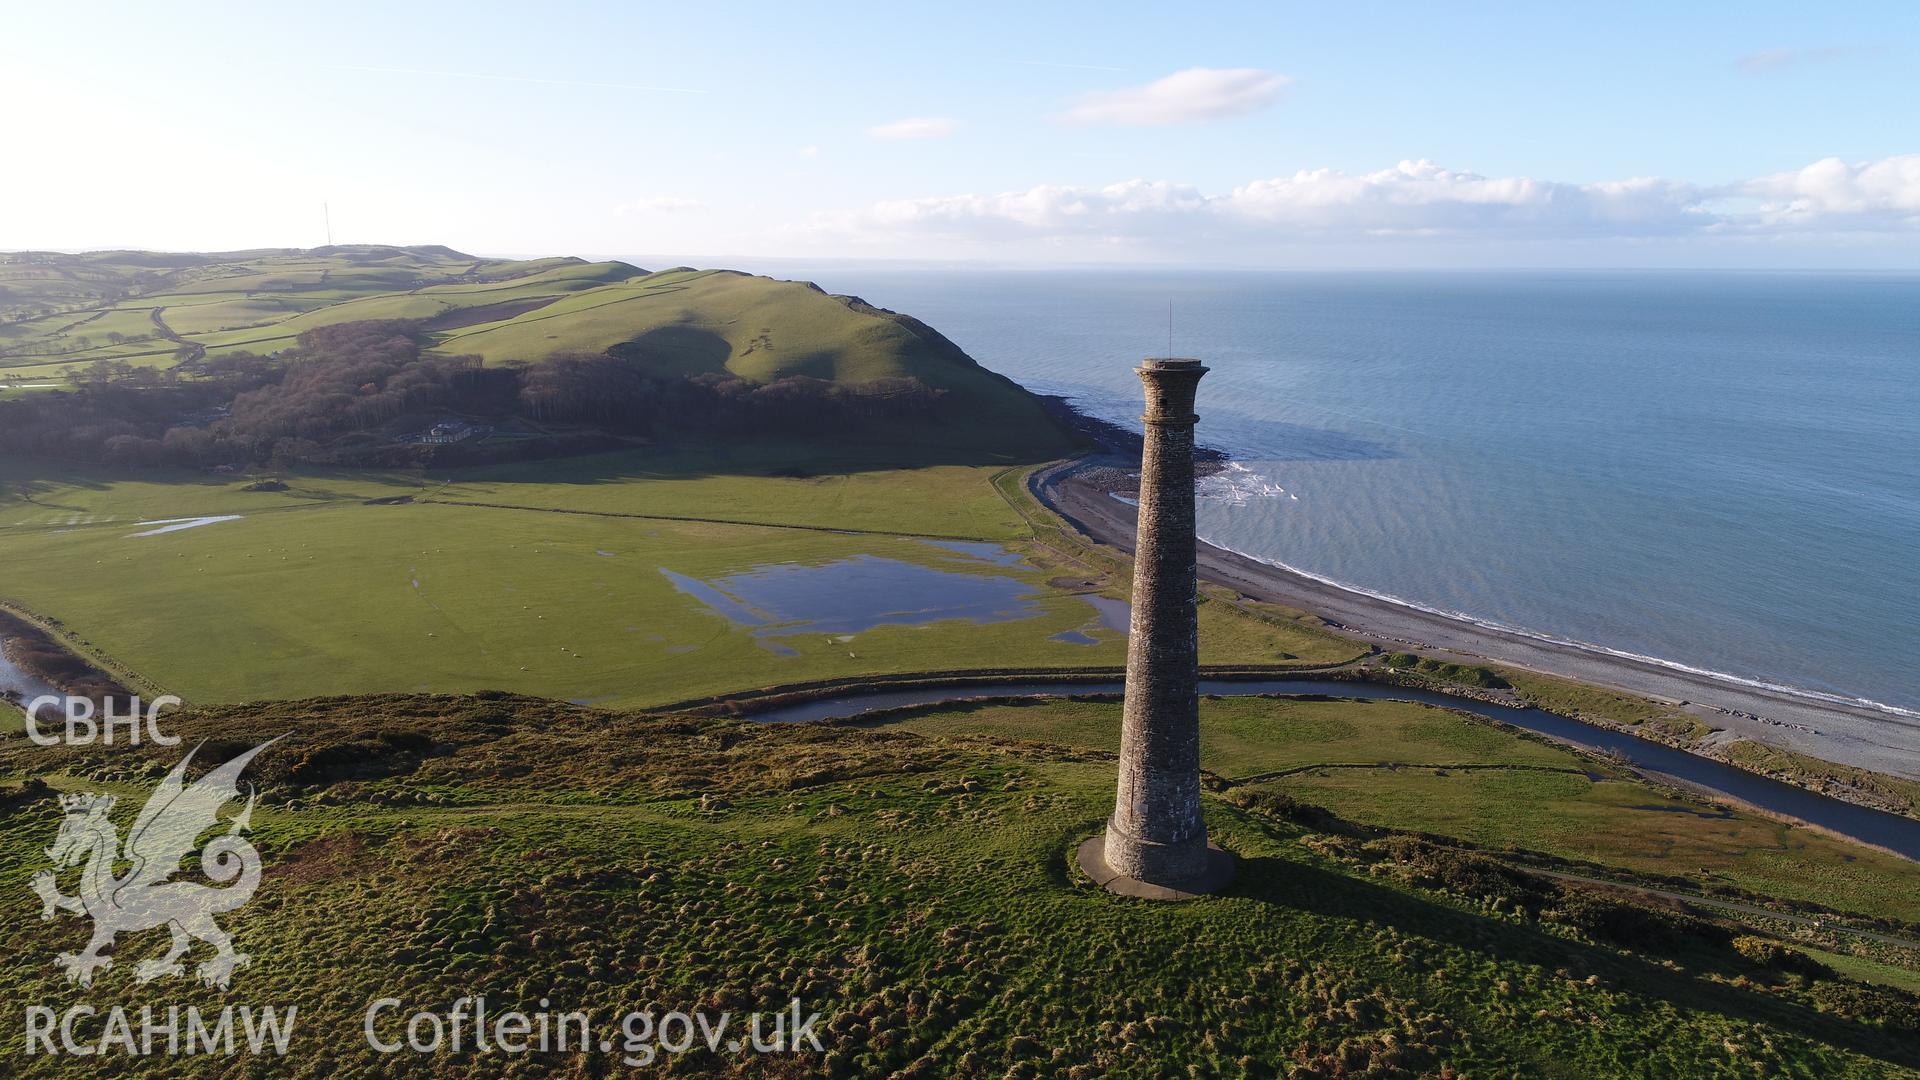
x,y
58,310
912,881
60,313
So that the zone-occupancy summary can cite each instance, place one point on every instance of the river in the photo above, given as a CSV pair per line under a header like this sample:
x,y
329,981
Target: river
x,y
16,683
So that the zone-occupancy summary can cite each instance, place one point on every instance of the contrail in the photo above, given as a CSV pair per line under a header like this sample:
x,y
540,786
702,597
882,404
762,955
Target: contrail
x,y
488,76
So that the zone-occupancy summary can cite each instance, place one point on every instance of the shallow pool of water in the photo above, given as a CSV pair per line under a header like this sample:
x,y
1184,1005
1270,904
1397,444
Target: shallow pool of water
x,y
1114,614
733,610
858,593
170,525
997,554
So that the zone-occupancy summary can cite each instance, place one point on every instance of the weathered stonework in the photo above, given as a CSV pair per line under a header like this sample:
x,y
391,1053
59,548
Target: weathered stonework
x,y
1156,834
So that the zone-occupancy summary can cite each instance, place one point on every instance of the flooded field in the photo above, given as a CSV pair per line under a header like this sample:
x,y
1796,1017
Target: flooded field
x,y
847,596
1109,614
997,554
169,525
850,595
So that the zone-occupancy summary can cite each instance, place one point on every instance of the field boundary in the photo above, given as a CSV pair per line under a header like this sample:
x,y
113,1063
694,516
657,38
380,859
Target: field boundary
x,y
748,702
59,635
692,520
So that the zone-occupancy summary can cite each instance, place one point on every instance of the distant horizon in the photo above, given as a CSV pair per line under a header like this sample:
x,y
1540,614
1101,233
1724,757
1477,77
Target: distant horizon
x,y
1260,137
660,261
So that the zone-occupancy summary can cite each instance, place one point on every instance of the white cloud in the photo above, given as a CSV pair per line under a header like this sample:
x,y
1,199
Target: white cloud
x,y
1184,97
1415,199
808,151
657,204
916,127
1422,197
1831,191
1048,209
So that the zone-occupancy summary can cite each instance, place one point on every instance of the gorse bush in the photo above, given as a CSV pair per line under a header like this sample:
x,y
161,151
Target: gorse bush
x,y
1462,674
1884,1006
1617,922
1776,957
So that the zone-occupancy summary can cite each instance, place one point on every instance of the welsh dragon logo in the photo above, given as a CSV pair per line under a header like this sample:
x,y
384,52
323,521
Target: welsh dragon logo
x,y
143,898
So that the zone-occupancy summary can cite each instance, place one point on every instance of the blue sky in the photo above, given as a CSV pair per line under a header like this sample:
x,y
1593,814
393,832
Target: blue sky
x,y
1761,135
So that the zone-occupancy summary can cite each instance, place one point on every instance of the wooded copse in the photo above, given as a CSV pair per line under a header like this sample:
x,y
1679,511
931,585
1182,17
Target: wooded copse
x,y
344,392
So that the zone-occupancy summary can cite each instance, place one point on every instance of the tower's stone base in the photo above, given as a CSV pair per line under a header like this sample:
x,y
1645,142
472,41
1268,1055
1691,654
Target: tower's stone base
x,y
1213,877
1136,856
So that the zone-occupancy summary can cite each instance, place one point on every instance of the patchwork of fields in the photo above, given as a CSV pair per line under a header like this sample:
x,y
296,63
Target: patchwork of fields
x,y
60,311
569,581
60,314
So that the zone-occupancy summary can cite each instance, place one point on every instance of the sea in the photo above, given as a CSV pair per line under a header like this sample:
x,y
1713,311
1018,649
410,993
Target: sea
x,y
1716,471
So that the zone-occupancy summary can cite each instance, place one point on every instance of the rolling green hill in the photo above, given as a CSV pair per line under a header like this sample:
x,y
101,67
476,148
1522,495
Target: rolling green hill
x,y
62,312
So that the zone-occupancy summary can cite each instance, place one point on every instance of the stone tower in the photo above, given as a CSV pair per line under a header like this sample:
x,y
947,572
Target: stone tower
x,y
1156,841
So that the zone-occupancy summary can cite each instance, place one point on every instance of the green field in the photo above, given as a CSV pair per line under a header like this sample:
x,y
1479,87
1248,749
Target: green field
x,y
1409,766
916,891
1249,738
557,589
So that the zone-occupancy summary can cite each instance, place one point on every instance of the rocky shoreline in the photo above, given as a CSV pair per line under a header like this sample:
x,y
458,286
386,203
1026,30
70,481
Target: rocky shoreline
x,y
1115,464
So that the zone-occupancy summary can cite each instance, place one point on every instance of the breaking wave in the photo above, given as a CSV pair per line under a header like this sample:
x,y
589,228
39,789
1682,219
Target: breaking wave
x,y
1237,485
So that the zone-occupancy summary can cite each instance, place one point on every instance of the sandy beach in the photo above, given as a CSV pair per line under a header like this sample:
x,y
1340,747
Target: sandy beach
x,y
1082,492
